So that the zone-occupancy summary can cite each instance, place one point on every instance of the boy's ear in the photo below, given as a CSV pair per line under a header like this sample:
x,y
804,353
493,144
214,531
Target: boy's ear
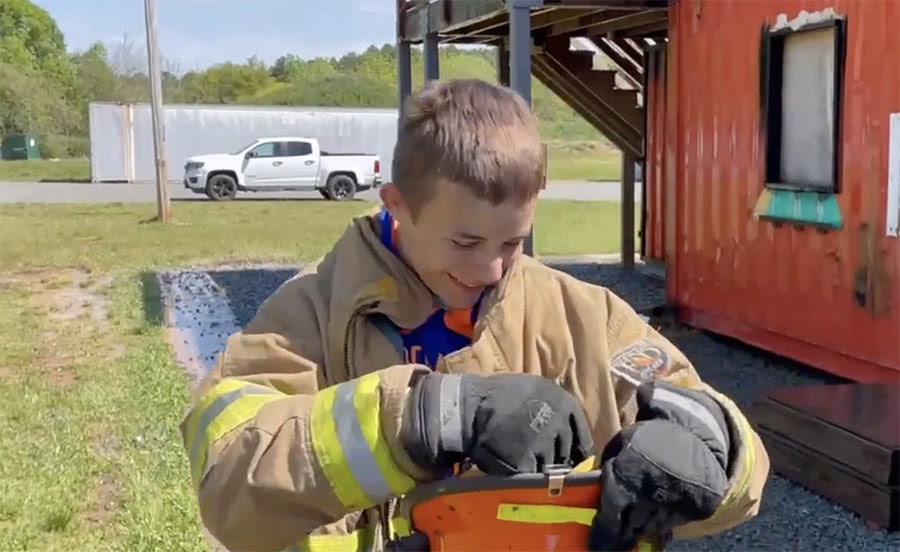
x,y
392,200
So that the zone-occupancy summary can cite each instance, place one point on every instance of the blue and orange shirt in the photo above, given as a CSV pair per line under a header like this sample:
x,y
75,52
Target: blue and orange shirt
x,y
444,332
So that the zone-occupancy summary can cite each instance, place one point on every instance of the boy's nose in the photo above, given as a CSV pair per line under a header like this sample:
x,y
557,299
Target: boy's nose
x,y
491,272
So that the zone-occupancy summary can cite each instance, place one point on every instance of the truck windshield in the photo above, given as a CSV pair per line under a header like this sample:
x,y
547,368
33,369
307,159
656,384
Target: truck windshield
x,y
244,147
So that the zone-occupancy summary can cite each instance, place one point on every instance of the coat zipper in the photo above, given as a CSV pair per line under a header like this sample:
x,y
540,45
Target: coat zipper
x,y
357,312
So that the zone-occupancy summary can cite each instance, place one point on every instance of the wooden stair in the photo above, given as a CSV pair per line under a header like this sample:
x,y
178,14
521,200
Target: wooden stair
x,y
598,95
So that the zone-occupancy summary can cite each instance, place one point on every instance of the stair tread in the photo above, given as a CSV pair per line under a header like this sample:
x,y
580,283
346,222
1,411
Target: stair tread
x,y
581,85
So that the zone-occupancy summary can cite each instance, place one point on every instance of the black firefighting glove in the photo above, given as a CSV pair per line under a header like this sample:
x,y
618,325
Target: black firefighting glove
x,y
504,423
667,469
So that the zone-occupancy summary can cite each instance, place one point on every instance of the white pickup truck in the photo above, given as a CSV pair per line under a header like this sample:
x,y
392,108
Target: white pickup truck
x,y
282,164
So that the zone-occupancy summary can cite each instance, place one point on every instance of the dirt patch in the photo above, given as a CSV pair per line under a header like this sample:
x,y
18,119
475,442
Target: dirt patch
x,y
108,498
64,294
76,294
107,446
62,377
75,302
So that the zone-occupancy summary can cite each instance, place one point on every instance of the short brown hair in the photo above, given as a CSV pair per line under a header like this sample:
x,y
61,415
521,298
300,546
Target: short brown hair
x,y
471,132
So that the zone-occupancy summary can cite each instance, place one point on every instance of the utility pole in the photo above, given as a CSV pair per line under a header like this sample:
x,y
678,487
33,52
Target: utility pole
x,y
163,206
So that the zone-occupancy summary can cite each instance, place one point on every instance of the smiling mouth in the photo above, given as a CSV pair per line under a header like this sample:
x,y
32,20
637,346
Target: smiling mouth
x,y
462,284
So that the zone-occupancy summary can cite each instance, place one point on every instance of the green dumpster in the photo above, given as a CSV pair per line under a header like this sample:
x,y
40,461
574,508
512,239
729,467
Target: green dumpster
x,y
20,146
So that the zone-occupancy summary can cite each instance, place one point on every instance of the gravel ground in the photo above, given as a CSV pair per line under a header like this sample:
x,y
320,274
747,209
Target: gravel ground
x,y
791,518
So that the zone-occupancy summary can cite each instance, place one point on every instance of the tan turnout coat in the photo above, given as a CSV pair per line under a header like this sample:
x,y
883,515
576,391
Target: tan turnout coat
x,y
262,482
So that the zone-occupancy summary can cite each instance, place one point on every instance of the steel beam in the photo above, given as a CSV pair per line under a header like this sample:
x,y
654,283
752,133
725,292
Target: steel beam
x,y
520,45
627,217
503,63
520,64
465,17
629,4
430,44
404,75
484,40
498,25
404,60
430,56
607,22
625,4
446,16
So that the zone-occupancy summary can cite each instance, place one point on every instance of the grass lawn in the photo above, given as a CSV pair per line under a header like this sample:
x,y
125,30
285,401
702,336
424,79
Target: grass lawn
x,y
566,161
583,161
579,227
90,454
45,170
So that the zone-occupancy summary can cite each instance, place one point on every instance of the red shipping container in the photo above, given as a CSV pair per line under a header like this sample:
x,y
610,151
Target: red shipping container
x,y
773,177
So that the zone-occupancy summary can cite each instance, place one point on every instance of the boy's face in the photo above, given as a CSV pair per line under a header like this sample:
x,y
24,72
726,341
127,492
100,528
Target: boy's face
x,y
460,244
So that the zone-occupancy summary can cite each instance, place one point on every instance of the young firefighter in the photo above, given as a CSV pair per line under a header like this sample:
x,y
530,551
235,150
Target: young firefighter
x,y
425,337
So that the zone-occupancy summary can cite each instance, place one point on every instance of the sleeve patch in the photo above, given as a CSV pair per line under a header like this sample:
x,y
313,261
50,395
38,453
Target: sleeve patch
x,y
640,363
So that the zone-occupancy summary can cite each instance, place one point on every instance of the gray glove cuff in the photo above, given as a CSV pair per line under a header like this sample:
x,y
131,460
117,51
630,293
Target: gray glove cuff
x,y
433,431
690,408
452,423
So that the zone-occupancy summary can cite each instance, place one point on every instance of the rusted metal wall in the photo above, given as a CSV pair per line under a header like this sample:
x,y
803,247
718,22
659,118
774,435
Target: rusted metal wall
x,y
828,299
654,151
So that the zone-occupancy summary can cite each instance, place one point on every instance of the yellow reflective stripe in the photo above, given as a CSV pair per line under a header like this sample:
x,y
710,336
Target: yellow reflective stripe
x,y
546,514
358,541
743,483
542,513
226,406
367,403
400,527
327,446
353,453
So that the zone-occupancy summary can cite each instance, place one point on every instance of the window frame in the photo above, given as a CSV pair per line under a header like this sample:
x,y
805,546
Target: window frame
x,y
275,151
771,89
287,147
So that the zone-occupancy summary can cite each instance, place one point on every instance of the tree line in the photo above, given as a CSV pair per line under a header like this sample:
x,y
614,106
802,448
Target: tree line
x,y
45,90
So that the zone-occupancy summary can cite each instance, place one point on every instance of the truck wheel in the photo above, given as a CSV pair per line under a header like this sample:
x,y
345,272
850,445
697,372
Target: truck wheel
x,y
221,187
340,187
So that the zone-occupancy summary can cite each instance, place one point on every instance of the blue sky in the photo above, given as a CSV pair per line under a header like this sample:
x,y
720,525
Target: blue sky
x,y
198,33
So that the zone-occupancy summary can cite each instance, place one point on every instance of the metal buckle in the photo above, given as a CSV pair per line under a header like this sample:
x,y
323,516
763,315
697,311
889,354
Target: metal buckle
x,y
556,475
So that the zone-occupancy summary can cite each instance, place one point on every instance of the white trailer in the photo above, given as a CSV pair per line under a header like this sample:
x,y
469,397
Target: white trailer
x,y
122,134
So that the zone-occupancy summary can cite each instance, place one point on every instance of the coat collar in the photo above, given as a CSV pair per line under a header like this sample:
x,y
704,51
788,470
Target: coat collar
x,y
377,280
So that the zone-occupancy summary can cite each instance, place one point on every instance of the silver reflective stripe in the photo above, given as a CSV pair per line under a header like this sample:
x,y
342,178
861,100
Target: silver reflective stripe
x,y
355,449
695,408
217,407
451,414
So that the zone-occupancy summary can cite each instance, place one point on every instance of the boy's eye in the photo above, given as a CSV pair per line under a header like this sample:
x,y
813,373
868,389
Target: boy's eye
x,y
464,244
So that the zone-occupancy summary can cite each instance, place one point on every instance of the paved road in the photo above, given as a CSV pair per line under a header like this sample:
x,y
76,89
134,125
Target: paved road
x,y
66,192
